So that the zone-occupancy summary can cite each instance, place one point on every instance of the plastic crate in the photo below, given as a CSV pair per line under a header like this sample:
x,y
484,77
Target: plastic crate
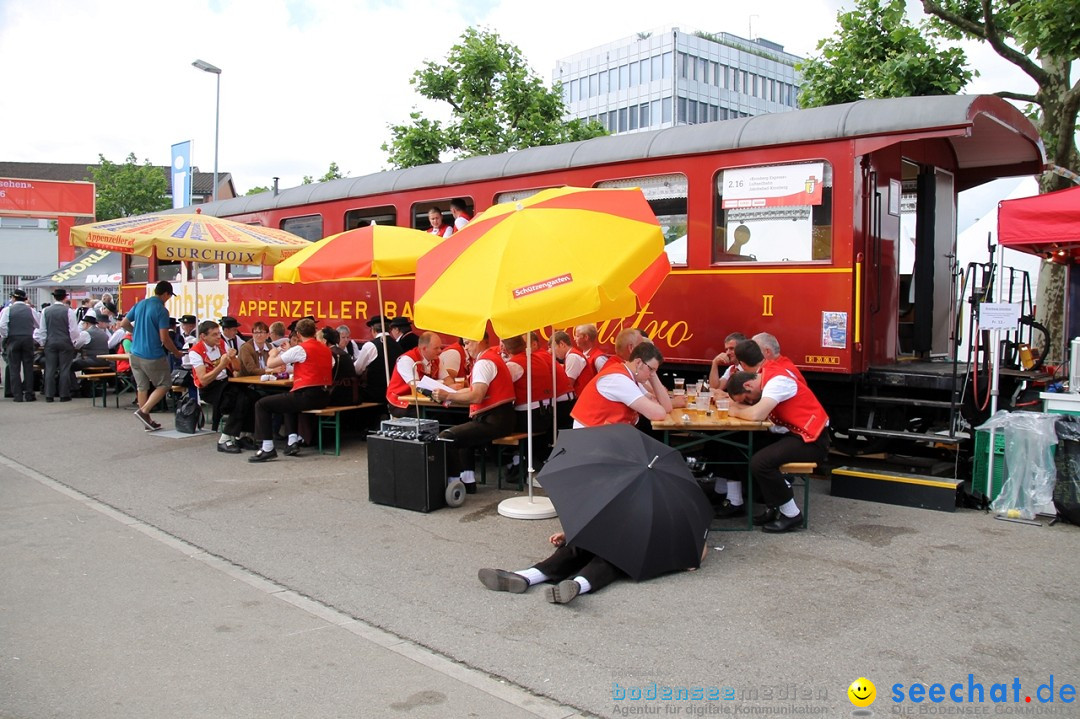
x,y
982,464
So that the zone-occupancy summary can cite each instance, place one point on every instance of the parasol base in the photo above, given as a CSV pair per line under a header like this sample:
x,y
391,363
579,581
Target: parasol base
x,y
527,508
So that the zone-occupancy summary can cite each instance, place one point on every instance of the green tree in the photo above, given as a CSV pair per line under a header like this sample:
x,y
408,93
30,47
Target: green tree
x,y
333,173
497,104
257,190
128,189
878,52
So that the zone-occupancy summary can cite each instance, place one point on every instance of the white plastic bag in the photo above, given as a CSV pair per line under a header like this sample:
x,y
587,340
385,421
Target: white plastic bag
x,y
1029,462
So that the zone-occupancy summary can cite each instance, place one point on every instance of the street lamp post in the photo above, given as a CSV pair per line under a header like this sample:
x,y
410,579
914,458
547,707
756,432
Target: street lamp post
x,y
207,67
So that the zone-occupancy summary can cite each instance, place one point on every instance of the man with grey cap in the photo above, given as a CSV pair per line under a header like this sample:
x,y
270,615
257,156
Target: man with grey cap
x,y
18,321
58,333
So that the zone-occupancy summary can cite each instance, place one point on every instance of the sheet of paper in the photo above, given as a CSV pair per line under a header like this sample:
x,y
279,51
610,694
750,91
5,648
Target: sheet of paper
x,y
429,383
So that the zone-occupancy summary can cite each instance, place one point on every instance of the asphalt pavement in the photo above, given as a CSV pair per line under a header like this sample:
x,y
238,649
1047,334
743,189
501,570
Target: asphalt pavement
x,y
146,576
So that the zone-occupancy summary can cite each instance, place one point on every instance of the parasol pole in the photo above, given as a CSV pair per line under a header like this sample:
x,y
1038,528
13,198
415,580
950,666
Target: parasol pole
x,y
528,507
385,349
528,404
554,393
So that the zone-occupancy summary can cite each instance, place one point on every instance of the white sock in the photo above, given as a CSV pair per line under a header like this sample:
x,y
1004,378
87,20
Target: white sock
x,y
225,438
534,575
268,445
294,438
468,476
583,583
789,508
720,486
734,492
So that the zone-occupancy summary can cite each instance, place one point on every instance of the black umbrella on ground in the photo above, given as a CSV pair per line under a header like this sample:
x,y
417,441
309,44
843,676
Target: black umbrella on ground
x,y
627,498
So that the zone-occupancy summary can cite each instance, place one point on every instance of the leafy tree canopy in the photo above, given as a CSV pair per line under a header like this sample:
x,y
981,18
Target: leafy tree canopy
x,y
878,52
497,104
128,189
257,190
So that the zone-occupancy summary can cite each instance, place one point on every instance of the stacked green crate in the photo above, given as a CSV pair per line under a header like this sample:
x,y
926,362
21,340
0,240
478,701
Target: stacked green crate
x,y
982,463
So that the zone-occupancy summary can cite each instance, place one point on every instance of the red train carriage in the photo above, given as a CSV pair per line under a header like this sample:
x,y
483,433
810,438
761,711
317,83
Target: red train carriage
x,y
800,224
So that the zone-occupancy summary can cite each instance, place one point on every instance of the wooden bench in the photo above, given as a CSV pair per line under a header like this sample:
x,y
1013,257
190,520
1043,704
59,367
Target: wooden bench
x,y
331,417
96,378
519,440
796,472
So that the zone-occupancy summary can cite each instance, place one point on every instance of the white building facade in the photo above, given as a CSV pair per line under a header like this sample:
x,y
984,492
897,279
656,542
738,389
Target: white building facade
x,y
669,77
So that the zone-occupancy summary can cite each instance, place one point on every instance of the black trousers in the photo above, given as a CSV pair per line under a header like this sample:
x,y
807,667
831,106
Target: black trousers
x,y
481,429
290,405
82,363
20,358
234,400
58,373
781,449
569,562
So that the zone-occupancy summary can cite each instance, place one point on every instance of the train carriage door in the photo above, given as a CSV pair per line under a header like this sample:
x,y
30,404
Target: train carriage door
x,y
927,254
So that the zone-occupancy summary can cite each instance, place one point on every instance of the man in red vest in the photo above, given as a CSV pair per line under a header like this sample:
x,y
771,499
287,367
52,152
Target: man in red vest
x,y
585,337
770,349
212,363
313,378
620,392
800,434
421,361
491,410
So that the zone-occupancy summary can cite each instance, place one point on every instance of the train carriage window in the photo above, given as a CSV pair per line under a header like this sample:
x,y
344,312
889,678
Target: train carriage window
x,y
138,269
386,215
774,213
244,272
517,195
310,227
204,270
420,212
168,270
666,195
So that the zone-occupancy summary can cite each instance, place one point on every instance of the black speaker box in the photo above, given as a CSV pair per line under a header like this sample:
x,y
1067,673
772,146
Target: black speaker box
x,y
407,473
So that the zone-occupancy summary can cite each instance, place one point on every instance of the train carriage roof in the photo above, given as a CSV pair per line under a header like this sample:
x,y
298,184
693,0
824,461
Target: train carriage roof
x,y
989,137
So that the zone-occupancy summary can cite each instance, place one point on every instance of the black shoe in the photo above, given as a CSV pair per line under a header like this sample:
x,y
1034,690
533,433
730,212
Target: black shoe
x,y
783,523
563,592
30,397
246,443
500,580
293,449
48,399
769,515
470,487
65,399
728,510
16,399
229,447
262,456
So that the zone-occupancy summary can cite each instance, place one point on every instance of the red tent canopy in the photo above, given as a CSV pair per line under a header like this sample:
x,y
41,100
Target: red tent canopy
x,y
1046,225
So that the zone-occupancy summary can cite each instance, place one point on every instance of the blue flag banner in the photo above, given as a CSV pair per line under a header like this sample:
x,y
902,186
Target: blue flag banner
x,y
181,174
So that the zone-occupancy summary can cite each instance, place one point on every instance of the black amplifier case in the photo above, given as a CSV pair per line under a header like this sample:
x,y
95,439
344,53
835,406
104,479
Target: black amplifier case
x,y
407,473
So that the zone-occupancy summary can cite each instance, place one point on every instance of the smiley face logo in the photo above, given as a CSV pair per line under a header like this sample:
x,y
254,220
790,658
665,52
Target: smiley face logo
x,y
862,692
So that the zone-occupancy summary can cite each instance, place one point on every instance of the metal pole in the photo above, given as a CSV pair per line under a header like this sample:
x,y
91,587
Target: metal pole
x,y
217,120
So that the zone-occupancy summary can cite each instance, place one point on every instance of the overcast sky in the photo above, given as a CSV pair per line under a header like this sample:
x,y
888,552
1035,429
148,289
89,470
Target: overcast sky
x,y
305,82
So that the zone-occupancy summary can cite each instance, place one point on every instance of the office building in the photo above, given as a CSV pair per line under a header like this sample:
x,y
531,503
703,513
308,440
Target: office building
x,y
669,77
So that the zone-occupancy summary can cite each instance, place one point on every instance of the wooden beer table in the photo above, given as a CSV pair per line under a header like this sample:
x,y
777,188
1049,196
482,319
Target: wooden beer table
x,y
685,429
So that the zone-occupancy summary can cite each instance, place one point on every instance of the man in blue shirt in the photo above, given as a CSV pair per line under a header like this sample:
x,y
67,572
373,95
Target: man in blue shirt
x,y
152,342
